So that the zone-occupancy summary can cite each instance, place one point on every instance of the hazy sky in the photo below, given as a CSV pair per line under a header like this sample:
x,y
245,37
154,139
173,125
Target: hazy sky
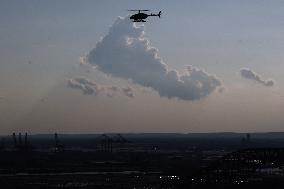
x,y
238,42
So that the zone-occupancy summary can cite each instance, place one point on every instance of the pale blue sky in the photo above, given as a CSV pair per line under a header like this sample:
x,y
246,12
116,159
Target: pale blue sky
x,y
219,36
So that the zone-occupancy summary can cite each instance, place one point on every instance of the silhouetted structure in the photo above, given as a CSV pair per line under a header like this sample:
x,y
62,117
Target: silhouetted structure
x,y
2,145
20,139
19,144
120,139
109,142
58,146
15,140
248,138
26,139
106,143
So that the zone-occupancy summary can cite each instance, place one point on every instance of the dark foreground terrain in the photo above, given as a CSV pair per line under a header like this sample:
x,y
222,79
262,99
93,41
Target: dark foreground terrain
x,y
221,160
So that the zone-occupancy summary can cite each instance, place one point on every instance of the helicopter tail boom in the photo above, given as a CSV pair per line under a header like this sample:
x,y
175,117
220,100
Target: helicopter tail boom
x,y
159,14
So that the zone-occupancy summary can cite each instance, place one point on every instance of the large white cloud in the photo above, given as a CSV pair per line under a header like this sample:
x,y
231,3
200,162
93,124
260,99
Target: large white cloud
x,y
125,52
249,74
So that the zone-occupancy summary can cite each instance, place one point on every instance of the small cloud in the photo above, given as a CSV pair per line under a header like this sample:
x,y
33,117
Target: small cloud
x,y
85,81
114,88
128,91
77,83
249,74
89,87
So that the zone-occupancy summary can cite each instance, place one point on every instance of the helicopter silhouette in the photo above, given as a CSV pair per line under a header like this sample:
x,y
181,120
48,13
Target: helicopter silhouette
x,y
141,16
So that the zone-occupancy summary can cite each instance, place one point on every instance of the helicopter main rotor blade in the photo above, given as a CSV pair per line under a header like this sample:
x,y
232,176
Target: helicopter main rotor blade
x,y
138,10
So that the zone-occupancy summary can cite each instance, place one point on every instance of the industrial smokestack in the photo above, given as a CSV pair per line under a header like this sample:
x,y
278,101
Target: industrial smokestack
x,y
26,139
15,139
2,144
56,139
58,147
248,138
20,139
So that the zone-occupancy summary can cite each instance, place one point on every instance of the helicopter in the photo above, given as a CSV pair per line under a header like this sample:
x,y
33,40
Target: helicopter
x,y
141,16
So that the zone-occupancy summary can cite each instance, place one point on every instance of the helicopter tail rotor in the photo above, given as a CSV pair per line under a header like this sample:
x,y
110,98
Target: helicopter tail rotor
x,y
159,14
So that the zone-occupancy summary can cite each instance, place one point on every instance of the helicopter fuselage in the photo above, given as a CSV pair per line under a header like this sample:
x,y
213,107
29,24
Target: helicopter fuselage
x,y
139,16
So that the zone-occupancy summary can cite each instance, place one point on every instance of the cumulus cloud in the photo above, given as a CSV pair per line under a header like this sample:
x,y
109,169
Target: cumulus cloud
x,y
89,87
249,74
126,53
